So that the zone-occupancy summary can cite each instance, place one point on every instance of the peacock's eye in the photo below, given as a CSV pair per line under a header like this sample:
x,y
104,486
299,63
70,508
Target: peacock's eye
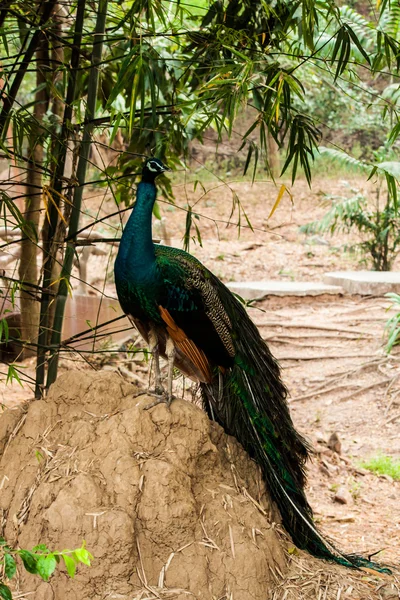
x,y
153,166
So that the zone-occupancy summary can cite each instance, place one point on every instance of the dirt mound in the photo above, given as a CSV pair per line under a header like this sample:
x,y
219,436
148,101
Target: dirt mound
x,y
164,499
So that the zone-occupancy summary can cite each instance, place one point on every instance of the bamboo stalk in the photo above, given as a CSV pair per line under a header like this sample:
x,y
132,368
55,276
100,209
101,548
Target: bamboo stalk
x,y
9,98
59,159
78,191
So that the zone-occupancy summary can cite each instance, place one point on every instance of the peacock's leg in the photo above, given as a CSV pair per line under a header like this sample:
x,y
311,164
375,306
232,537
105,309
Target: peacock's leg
x,y
166,397
170,352
153,345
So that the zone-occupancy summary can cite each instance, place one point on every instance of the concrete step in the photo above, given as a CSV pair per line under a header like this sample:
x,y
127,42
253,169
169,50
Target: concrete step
x,y
259,289
365,283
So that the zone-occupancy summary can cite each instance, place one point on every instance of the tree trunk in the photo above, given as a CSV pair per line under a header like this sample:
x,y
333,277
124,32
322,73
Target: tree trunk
x,y
273,156
28,267
57,108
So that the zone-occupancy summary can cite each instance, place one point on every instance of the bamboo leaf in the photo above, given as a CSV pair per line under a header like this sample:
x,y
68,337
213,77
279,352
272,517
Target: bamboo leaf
x,y
48,198
278,200
156,211
358,44
115,128
248,159
4,331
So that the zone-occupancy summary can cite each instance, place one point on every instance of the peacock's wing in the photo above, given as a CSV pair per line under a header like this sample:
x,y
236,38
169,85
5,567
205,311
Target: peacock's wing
x,y
190,306
251,404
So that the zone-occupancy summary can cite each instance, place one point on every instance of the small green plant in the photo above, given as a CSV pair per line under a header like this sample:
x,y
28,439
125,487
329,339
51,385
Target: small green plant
x,y
392,327
383,465
39,561
377,222
354,488
287,273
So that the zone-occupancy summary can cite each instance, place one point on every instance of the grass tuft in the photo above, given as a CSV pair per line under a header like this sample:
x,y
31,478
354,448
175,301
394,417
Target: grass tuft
x,y
383,465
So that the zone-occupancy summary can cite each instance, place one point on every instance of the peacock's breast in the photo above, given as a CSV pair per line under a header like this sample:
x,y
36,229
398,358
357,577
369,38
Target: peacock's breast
x,y
138,293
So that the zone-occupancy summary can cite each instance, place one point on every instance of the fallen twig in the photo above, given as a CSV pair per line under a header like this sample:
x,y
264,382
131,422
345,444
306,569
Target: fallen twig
x,y
366,388
394,396
333,356
320,392
277,340
321,389
310,326
396,416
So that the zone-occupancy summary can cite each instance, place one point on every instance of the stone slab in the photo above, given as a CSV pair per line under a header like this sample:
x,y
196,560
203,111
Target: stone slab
x,y
365,283
259,289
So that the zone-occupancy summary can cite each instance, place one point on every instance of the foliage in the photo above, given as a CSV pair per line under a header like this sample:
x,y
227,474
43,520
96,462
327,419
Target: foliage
x,y
351,105
379,226
383,465
392,327
168,73
39,561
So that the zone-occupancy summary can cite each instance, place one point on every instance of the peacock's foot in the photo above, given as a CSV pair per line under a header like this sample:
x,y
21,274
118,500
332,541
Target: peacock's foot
x,y
163,398
159,390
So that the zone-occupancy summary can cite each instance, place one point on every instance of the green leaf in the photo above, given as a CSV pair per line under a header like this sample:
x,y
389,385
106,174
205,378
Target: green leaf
x,y
5,42
83,556
70,565
45,566
248,159
29,560
156,211
390,166
9,566
5,330
115,128
5,592
40,547
12,373
358,44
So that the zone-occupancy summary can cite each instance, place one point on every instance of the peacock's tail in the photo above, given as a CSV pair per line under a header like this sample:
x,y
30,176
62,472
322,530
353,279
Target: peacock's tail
x,y
249,401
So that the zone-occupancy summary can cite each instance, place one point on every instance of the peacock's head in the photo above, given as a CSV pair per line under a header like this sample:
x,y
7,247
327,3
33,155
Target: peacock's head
x,y
151,168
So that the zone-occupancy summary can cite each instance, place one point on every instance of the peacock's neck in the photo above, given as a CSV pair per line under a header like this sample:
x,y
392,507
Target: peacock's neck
x,y
136,250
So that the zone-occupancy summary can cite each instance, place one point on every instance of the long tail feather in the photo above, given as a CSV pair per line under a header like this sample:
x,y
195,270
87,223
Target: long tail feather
x,y
250,403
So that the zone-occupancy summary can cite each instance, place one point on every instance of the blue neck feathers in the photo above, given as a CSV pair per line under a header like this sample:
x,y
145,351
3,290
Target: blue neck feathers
x,y
136,249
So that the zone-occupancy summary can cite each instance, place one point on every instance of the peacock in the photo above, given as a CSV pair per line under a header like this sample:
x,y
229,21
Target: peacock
x,y
187,315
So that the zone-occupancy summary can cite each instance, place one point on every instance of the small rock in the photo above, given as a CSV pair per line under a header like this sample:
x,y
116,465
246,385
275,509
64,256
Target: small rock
x,y
320,438
345,519
387,477
331,468
324,470
361,471
343,496
334,443
388,594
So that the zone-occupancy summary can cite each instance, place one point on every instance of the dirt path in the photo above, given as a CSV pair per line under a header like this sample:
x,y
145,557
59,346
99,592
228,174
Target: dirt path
x,y
330,349
340,382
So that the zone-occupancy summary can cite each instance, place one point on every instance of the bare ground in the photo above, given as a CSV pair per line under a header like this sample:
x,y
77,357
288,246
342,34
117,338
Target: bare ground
x,y
330,349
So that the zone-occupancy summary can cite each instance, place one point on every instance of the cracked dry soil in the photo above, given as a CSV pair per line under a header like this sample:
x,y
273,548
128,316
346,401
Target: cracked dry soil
x,y
164,498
